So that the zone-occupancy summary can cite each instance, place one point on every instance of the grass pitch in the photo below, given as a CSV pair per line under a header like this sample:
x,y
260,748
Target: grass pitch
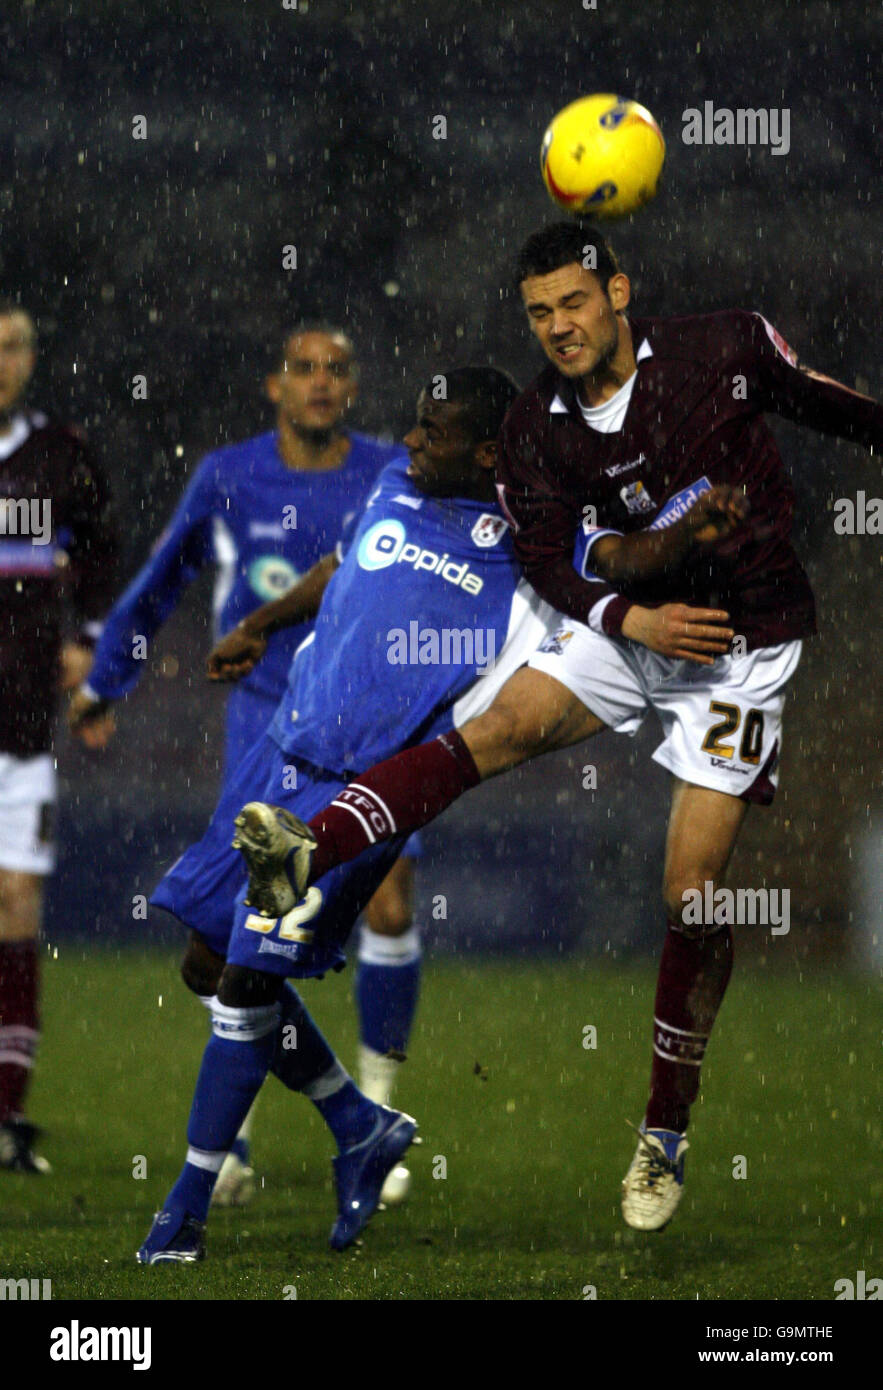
x,y
526,1122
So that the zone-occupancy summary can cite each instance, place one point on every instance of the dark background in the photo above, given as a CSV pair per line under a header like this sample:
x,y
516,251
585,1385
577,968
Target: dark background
x,y
313,127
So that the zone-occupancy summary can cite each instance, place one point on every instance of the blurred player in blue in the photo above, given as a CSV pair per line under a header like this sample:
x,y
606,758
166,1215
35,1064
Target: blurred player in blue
x,y
418,557
264,513
422,623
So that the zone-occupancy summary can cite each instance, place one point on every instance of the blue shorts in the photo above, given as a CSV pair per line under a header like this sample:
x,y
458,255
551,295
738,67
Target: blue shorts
x,y
249,713
206,887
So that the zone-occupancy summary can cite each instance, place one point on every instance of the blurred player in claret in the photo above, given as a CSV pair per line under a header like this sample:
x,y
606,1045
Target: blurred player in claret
x,y
57,551
638,438
265,513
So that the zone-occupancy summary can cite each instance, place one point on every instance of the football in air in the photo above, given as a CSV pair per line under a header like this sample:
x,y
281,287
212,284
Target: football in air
x,y
602,155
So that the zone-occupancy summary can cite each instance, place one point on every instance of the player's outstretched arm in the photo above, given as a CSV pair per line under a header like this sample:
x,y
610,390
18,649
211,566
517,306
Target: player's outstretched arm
x,y
182,550
779,382
240,651
646,554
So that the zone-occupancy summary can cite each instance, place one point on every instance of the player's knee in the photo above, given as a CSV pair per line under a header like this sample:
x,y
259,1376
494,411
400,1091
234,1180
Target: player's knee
x,y
680,895
392,918
201,968
501,738
242,988
675,892
20,914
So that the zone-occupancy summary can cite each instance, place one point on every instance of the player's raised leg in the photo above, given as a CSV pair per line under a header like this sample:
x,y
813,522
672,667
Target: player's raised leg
x,y
532,714
386,988
694,972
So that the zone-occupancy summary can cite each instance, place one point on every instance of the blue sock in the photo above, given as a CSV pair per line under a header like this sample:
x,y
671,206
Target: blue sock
x,y
239,1147
304,1062
348,1114
234,1065
302,1053
386,988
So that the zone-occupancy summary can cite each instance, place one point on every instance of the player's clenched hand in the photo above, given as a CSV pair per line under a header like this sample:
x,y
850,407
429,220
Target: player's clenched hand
x,y
89,720
235,655
74,665
716,514
681,632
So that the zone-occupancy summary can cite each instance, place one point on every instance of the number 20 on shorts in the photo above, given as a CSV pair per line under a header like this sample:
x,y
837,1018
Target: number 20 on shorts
x,y
751,743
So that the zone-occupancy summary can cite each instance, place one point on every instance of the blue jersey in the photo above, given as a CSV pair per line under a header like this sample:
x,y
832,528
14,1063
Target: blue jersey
x,y
262,525
424,621
421,625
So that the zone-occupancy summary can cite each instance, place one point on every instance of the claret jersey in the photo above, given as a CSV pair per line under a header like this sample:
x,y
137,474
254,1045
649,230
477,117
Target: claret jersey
x,y
57,543
694,418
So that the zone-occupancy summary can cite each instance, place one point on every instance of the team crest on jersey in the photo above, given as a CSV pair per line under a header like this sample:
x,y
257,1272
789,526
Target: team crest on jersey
x,y
271,576
637,499
488,530
557,642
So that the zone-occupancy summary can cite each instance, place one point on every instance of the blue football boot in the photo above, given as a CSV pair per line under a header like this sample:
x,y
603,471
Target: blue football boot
x,y
360,1172
175,1238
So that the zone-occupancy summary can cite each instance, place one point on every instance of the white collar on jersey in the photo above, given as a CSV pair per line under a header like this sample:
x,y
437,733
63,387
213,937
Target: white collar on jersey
x,y
19,429
559,407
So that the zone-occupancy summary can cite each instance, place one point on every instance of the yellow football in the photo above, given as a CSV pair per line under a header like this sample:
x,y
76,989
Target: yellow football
x,y
602,155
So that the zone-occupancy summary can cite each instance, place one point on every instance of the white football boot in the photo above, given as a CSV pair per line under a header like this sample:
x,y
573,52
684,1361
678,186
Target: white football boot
x,y
653,1185
235,1185
376,1076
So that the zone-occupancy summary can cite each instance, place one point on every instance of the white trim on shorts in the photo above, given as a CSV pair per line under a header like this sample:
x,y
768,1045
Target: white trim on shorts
x,y
27,788
620,681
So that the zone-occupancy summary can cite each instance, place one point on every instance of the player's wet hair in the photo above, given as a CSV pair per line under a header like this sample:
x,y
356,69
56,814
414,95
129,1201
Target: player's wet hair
x,y
562,243
484,395
8,307
330,330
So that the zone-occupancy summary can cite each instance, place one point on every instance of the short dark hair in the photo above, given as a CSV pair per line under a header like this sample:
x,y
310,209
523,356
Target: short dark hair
x,y
330,330
484,394
562,243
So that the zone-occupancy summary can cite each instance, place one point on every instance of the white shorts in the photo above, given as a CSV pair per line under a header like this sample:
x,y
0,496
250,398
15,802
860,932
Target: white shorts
x,y
722,723
27,802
